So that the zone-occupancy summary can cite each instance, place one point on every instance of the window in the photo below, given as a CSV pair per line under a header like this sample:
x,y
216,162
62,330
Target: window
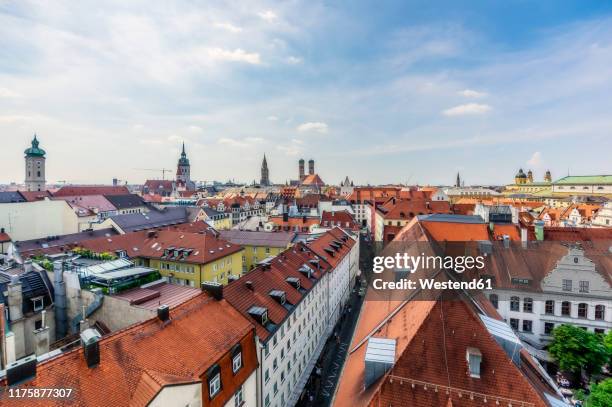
x,y
582,310
566,308
567,285
474,358
584,286
237,362
548,327
600,312
494,300
527,325
239,397
38,324
275,388
37,303
528,305
267,376
267,401
214,382
514,323
274,364
600,331
549,307
514,303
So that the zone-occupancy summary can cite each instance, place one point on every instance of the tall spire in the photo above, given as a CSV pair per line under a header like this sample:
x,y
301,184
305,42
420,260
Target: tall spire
x,y
458,184
183,153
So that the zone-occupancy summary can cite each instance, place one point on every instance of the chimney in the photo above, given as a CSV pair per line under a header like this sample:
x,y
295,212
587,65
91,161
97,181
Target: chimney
x,y
90,338
506,241
214,289
249,285
163,313
524,237
21,370
15,298
27,266
41,336
59,286
285,217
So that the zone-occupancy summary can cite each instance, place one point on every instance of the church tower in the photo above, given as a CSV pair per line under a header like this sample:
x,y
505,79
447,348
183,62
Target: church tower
x,y
547,176
35,167
458,182
265,174
183,171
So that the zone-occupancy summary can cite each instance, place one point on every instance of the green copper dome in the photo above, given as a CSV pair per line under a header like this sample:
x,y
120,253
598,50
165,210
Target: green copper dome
x,y
34,151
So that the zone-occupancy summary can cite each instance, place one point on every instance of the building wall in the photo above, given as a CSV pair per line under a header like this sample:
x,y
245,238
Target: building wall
x,y
254,254
194,274
188,395
599,293
34,220
35,173
582,189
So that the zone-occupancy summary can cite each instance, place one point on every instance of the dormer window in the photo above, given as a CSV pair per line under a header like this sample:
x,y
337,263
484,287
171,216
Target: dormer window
x,y
236,358
214,381
474,358
38,304
279,296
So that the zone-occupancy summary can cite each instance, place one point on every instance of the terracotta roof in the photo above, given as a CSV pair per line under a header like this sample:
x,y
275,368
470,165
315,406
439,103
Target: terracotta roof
x,y
264,279
59,244
440,334
70,190
342,219
463,208
302,222
4,237
404,208
152,244
31,196
361,194
158,185
313,179
137,361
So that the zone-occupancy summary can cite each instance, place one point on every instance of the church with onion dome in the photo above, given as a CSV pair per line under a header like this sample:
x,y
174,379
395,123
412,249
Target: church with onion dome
x,y
35,167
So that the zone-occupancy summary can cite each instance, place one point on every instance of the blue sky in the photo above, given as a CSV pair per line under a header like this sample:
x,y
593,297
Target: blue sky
x,y
395,91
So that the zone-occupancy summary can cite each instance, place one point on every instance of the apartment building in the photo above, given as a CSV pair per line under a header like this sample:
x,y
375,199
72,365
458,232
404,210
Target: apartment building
x,y
258,246
537,289
295,301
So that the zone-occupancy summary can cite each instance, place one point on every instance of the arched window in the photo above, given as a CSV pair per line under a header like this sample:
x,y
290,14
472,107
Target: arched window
x,y
514,303
582,310
527,305
494,300
566,308
600,312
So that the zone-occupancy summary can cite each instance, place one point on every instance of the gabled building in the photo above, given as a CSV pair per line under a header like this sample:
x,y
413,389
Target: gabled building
x,y
258,245
201,353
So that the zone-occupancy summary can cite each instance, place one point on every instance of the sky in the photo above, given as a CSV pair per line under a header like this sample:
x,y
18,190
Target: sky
x,y
384,92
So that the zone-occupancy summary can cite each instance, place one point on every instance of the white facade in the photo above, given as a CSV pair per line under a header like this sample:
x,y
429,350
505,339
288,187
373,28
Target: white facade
x,y
572,293
604,216
38,219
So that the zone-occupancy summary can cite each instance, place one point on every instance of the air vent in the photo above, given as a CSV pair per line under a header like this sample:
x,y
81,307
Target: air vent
x,y
91,347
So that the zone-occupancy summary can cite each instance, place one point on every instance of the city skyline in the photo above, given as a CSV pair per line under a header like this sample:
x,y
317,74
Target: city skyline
x,y
399,94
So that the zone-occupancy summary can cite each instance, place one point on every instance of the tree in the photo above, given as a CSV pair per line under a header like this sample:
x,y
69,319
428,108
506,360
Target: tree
x,y
608,343
601,394
575,349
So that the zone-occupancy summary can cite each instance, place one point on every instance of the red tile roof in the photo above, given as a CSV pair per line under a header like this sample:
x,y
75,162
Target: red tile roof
x,y
137,361
155,295
4,237
407,208
31,196
342,219
264,279
151,244
70,190
313,179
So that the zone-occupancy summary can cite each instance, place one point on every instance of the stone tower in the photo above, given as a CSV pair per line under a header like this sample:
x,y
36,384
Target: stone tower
x,y
301,167
35,167
183,170
458,182
547,176
311,170
265,174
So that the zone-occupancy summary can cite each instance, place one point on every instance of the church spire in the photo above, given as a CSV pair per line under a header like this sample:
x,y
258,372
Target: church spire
x,y
265,174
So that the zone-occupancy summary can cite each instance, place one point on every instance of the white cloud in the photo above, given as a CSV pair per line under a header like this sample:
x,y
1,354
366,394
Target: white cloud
x,y
254,140
535,160
7,93
471,93
267,15
318,127
237,55
138,127
289,150
194,129
232,142
228,27
173,138
293,60
467,109
272,118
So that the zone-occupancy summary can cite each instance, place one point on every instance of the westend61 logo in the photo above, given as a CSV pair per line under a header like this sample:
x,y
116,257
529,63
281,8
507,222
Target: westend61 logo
x,y
402,263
